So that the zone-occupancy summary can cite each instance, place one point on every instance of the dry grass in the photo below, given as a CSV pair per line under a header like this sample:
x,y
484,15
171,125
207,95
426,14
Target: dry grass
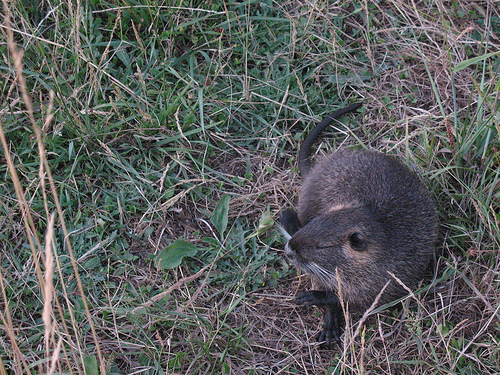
x,y
144,131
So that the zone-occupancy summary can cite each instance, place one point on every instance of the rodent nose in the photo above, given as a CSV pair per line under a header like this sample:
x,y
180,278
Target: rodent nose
x,y
288,251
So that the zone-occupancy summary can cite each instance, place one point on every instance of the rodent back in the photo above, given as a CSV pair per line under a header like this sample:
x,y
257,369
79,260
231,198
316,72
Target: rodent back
x,y
348,178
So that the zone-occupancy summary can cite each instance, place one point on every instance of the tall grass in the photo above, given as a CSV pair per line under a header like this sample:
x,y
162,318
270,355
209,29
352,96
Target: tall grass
x,y
147,147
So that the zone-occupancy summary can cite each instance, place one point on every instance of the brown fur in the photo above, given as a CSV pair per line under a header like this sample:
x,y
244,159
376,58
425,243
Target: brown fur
x,y
377,196
361,215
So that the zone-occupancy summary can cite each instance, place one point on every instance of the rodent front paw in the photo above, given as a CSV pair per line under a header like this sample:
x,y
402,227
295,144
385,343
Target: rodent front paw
x,y
313,297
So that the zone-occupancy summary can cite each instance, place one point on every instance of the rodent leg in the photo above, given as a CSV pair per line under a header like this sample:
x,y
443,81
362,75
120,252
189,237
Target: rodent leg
x,y
333,317
289,221
333,314
317,298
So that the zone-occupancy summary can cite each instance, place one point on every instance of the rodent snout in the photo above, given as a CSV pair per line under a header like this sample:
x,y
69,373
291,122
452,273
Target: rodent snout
x,y
289,252
291,255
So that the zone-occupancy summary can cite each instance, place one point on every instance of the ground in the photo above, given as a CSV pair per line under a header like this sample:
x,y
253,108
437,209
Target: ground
x,y
148,148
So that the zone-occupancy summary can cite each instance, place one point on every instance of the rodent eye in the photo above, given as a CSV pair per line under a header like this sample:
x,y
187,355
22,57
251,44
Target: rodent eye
x,y
357,241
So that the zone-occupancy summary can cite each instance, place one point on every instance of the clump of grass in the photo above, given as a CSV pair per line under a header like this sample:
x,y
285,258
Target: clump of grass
x,y
130,129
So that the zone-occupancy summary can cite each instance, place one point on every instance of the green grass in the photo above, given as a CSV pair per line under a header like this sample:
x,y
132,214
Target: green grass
x,y
164,122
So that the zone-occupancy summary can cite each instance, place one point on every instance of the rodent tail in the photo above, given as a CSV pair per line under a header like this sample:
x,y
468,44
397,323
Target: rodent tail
x,y
305,148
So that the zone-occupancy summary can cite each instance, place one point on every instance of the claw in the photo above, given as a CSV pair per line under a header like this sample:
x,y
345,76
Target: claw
x,y
332,329
333,314
314,297
329,336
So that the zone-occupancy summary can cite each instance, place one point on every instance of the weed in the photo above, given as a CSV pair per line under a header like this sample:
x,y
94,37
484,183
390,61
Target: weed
x,y
163,136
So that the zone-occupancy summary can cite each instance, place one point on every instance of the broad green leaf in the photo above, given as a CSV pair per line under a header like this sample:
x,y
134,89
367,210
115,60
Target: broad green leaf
x,y
172,255
90,364
265,222
219,218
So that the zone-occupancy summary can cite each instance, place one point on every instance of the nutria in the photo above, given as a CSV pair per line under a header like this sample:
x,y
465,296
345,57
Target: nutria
x,y
361,216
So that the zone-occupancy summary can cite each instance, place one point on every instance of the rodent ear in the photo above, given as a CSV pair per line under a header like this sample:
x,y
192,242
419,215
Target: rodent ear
x,y
357,241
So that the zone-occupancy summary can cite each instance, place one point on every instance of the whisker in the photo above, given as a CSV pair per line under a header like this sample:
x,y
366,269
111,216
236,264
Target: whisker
x,y
325,276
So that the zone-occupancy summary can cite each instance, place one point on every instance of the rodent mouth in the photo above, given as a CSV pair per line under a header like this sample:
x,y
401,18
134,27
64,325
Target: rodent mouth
x,y
291,256
289,252
325,276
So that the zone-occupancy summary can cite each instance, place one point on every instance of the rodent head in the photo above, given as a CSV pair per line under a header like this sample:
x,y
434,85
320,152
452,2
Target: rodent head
x,y
348,240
